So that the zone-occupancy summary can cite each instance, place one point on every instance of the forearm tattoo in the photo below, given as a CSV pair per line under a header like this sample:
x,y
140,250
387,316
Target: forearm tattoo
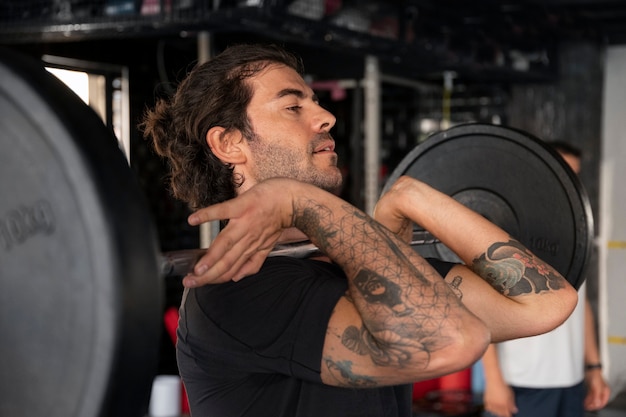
x,y
404,313
455,285
513,270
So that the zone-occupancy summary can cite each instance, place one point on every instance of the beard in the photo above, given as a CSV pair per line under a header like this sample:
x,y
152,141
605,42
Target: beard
x,y
274,160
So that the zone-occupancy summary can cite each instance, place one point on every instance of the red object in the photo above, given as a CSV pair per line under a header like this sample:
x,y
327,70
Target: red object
x,y
170,318
461,380
420,389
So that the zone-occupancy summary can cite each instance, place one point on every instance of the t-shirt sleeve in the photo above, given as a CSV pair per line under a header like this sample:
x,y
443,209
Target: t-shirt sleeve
x,y
274,321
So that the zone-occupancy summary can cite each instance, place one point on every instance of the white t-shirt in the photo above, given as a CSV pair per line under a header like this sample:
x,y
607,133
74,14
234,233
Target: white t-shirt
x,y
554,359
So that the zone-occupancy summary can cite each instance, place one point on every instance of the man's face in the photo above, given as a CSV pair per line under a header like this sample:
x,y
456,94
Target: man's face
x,y
291,131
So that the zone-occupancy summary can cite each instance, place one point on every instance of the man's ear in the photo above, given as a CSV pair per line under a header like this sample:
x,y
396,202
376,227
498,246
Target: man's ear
x,y
226,146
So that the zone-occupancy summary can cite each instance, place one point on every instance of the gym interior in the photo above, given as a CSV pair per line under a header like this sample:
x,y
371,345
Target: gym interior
x,y
394,73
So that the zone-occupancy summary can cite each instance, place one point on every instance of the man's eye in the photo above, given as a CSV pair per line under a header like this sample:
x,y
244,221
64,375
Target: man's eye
x,y
294,108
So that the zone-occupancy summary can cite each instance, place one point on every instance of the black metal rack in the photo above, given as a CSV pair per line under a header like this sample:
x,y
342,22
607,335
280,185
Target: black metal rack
x,y
410,38
516,40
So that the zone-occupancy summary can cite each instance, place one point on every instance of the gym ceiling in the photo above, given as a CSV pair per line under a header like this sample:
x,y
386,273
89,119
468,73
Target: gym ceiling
x,y
512,40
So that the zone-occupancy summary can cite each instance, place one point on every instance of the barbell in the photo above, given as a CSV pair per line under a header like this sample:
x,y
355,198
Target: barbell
x,y
517,181
510,177
81,296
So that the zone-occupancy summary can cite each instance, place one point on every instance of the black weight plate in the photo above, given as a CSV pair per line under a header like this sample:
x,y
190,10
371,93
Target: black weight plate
x,y
80,292
515,180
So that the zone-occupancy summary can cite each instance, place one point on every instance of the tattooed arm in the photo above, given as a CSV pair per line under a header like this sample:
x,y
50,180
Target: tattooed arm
x,y
398,323
514,292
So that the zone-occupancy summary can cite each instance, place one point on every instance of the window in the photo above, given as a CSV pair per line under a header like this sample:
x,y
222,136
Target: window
x,y
103,87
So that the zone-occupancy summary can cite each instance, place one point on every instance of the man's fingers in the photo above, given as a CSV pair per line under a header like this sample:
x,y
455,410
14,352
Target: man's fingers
x,y
229,259
252,265
208,272
207,214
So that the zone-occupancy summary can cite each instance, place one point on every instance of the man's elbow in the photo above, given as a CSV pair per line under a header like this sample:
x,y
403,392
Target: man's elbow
x,y
568,297
468,345
474,343
551,315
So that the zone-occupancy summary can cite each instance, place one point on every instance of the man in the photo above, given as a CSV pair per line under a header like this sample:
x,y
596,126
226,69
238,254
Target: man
x,y
547,375
341,335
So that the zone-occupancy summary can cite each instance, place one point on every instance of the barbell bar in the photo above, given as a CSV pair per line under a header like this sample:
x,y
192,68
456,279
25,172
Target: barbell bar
x,y
179,263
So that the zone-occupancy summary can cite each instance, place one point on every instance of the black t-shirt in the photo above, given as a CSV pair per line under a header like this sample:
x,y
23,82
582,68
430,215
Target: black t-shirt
x,y
253,347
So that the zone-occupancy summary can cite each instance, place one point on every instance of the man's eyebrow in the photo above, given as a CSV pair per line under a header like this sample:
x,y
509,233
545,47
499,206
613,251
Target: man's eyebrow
x,y
295,92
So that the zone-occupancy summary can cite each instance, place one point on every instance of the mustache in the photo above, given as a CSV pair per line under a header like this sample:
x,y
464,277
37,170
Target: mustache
x,y
321,138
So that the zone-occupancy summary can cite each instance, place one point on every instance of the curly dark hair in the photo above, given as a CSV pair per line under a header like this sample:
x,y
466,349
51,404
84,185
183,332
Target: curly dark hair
x,y
215,93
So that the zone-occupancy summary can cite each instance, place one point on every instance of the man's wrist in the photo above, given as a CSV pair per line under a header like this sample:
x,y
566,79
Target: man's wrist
x,y
592,366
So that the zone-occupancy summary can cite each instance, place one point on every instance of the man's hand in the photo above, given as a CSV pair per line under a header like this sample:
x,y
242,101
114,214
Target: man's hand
x,y
256,219
598,391
499,400
388,210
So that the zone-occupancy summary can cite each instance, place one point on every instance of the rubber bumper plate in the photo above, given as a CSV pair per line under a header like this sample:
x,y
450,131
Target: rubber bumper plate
x,y
80,291
515,180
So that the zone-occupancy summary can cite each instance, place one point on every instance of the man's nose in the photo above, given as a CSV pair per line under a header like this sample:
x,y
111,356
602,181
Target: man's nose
x,y
324,120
